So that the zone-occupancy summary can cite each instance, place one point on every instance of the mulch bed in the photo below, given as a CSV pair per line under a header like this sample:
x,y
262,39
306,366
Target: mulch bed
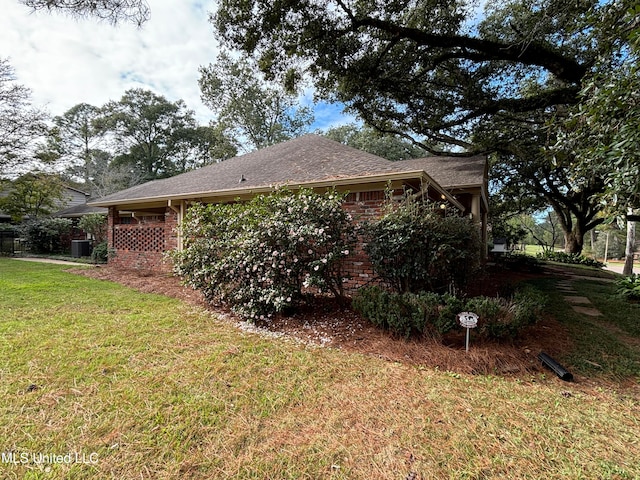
x,y
326,324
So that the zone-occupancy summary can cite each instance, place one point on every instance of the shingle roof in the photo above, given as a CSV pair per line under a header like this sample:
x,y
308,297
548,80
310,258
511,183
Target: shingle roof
x,y
307,159
451,172
79,211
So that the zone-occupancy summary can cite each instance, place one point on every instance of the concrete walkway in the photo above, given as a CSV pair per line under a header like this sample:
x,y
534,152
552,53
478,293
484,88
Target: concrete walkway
x,y
617,267
579,304
51,260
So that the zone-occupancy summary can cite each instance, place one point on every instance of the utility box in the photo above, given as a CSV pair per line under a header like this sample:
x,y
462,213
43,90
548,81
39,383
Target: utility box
x,y
80,248
500,245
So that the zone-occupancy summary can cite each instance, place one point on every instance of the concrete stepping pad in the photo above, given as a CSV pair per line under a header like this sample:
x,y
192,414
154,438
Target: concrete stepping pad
x,y
589,311
575,299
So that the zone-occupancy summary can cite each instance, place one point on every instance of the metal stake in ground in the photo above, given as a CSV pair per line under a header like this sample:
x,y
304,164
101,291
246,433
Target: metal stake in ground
x,y
467,320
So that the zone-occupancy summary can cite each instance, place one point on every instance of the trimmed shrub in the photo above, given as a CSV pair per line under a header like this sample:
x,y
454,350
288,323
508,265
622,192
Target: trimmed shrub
x,y
569,258
519,262
262,256
417,247
100,253
431,314
405,314
504,318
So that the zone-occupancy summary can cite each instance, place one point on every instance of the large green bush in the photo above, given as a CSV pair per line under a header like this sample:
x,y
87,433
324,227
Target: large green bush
x,y
417,247
431,314
262,256
46,235
95,224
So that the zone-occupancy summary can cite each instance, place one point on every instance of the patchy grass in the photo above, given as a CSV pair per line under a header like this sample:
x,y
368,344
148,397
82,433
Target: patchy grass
x,y
583,270
605,346
142,386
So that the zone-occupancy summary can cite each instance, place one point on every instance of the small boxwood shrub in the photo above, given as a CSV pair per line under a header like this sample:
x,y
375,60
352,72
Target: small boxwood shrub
x,y
569,258
427,313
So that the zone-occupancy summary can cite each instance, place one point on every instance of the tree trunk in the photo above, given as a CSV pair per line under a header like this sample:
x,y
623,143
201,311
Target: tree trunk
x,y
573,242
630,249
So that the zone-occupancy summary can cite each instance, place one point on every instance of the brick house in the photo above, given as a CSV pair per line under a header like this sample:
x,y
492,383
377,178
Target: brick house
x,y
143,220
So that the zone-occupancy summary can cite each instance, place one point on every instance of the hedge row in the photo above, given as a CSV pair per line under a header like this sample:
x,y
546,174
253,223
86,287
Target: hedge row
x,y
431,314
569,258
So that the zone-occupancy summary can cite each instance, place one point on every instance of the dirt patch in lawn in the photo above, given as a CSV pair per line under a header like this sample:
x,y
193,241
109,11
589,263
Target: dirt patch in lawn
x,y
326,324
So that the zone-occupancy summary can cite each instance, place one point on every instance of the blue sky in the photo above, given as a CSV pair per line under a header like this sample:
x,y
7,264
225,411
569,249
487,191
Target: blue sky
x,y
66,61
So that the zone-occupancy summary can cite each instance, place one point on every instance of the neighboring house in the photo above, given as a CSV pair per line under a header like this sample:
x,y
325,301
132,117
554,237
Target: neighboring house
x,y
72,197
143,220
79,211
74,207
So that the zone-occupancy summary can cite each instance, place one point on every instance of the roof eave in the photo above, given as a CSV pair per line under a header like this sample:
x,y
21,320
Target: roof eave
x,y
239,192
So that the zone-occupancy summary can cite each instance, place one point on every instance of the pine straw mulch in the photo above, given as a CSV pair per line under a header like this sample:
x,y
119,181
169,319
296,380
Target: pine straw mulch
x,y
326,324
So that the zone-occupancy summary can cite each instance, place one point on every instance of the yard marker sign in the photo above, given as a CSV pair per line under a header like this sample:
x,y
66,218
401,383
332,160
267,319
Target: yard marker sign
x,y
467,320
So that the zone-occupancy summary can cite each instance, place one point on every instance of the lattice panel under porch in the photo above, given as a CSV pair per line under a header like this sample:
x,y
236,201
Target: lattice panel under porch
x,y
139,238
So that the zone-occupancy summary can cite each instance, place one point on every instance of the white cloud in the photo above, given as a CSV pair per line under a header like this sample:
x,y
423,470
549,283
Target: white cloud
x,y
66,61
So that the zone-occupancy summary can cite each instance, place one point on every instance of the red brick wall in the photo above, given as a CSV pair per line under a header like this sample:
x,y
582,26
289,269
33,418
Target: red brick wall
x,y
142,243
362,206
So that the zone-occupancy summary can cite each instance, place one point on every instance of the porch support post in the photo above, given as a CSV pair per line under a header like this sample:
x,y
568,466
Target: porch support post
x,y
179,211
480,219
475,208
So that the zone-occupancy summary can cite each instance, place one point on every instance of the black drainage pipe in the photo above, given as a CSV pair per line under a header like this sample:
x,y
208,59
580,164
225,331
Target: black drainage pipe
x,y
555,366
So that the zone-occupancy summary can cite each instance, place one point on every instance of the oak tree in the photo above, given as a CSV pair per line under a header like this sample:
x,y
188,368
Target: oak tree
x,y
450,78
255,112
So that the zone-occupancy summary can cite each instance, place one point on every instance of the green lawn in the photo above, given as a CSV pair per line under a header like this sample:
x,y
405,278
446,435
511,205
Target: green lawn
x,y
140,386
605,345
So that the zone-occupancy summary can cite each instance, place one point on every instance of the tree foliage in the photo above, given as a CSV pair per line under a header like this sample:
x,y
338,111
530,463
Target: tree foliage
x,y
421,67
33,195
254,112
21,125
369,140
452,78
140,137
113,11
158,138
78,141
143,126
604,129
